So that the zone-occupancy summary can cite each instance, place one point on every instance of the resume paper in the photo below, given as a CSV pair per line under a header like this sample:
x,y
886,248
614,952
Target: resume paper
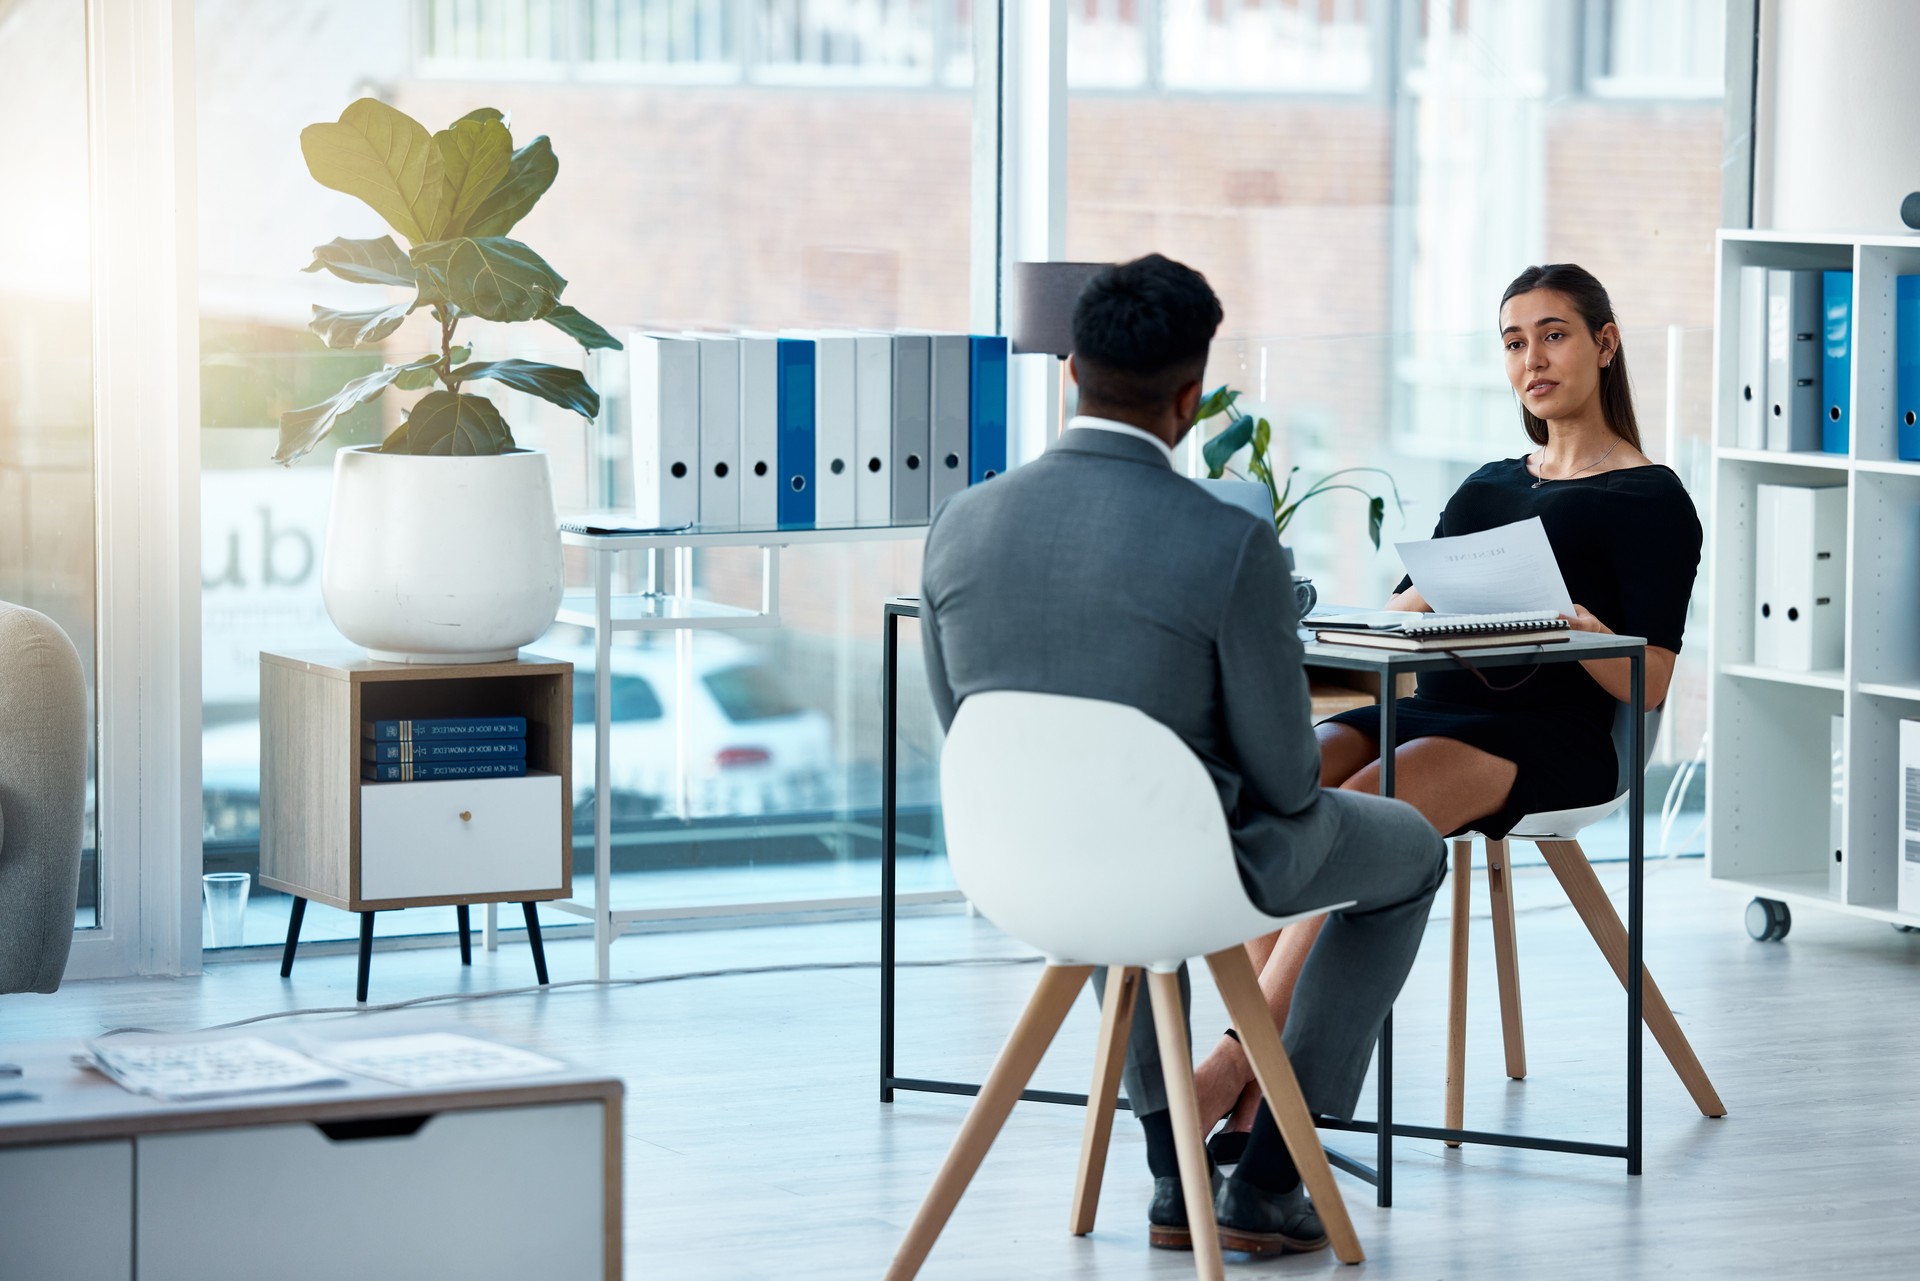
x,y
1497,571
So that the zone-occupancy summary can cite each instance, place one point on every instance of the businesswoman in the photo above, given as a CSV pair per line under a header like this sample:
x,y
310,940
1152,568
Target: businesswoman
x,y
1484,751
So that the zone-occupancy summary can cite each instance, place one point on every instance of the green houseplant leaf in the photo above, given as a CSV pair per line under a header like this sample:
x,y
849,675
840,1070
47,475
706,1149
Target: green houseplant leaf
x,y
488,276
1218,401
473,157
418,375
485,113
530,172
365,262
582,330
339,329
446,422
1228,443
383,157
302,429
556,383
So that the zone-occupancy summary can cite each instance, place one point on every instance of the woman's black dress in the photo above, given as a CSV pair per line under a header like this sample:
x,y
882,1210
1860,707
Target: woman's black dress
x,y
1628,543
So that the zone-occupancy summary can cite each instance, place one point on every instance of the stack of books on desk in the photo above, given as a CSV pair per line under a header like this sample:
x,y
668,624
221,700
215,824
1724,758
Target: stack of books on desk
x,y
406,751
1395,629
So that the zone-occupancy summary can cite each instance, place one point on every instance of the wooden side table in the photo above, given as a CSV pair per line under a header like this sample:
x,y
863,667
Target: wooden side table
x,y
329,836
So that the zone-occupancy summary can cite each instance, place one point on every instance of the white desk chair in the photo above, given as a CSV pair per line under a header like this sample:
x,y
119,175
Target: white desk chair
x,y
1555,832
1089,831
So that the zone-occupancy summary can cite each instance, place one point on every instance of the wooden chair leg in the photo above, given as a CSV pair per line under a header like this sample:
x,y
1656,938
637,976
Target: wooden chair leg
x,y
1569,864
1116,1021
1457,988
1189,1138
1506,956
1233,974
1046,1010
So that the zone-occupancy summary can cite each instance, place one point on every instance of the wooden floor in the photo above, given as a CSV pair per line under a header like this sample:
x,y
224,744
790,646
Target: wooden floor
x,y
756,1147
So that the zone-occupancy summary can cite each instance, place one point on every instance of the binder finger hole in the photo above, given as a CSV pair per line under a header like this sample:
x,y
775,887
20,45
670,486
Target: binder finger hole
x,y
913,462
799,483
873,464
953,461
720,469
679,471
837,466
759,469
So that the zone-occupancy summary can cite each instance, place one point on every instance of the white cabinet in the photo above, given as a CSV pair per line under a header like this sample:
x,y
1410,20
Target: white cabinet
x,y
509,1180
66,1211
504,1193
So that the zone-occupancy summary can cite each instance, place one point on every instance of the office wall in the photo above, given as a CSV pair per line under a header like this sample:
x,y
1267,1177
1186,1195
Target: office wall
x,y
1835,147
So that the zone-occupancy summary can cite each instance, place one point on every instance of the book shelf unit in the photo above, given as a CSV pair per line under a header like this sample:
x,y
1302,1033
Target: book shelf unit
x,y
1768,788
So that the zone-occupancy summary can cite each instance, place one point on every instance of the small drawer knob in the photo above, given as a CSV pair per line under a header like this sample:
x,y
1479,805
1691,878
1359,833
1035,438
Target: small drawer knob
x,y
466,816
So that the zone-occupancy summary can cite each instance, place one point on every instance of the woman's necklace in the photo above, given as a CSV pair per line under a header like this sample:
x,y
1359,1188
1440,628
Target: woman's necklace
x,y
1543,478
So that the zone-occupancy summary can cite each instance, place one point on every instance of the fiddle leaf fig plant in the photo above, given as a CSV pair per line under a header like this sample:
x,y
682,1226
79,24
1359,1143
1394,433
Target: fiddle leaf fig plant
x,y
1244,431
452,197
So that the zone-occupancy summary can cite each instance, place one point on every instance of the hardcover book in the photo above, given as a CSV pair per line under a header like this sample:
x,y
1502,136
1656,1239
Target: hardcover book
x,y
410,772
452,749
468,727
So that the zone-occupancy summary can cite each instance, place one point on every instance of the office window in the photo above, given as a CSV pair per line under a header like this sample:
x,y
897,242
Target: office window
x,y
829,42
47,542
1204,46
1656,49
1360,226
762,164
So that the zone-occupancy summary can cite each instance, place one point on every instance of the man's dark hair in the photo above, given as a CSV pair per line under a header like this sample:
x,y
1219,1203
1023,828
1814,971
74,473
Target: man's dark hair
x,y
1140,333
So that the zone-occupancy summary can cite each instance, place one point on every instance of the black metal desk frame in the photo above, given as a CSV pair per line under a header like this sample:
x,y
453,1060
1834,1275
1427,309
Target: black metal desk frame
x,y
1387,664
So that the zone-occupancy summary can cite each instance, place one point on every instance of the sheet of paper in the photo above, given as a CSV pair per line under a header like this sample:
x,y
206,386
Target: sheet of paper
x,y
189,1069
1496,571
428,1059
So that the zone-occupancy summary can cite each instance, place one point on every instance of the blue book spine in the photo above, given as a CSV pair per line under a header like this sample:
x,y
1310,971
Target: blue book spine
x,y
1906,383
450,749
468,727
794,442
402,772
987,427
1836,363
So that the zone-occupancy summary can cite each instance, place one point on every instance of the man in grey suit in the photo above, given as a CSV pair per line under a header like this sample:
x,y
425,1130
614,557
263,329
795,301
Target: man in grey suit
x,y
1099,571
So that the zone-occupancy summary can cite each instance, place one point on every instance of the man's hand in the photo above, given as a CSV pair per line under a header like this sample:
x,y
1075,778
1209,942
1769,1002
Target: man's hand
x,y
1582,621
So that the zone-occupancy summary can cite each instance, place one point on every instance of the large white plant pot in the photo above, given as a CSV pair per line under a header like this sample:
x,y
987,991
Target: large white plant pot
x,y
441,560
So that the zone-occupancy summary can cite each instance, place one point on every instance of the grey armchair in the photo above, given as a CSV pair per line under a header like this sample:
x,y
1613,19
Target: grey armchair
x,y
43,783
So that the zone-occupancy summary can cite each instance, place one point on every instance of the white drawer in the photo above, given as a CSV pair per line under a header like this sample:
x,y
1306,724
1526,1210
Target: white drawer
x,y
507,1193
414,842
66,1212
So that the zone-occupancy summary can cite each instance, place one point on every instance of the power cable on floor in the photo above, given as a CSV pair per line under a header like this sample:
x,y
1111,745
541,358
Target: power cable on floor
x,y
455,997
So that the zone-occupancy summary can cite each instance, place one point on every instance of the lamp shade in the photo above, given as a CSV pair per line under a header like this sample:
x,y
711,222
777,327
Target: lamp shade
x,y
1043,298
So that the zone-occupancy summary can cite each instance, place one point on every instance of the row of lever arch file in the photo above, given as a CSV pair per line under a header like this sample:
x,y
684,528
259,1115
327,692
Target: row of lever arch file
x,y
805,428
1796,351
1796,355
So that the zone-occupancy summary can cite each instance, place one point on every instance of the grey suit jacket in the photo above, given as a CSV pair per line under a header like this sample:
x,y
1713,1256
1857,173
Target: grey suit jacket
x,y
1097,571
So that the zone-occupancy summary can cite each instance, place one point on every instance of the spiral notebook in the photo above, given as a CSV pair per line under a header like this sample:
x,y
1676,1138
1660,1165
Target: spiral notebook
x,y
1399,629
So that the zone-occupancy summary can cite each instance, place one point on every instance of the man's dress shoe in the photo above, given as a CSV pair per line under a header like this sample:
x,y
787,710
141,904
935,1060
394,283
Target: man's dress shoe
x,y
1258,1222
1167,1213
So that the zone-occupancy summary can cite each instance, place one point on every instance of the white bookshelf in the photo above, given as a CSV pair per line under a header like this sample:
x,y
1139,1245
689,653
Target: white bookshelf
x,y
1767,788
